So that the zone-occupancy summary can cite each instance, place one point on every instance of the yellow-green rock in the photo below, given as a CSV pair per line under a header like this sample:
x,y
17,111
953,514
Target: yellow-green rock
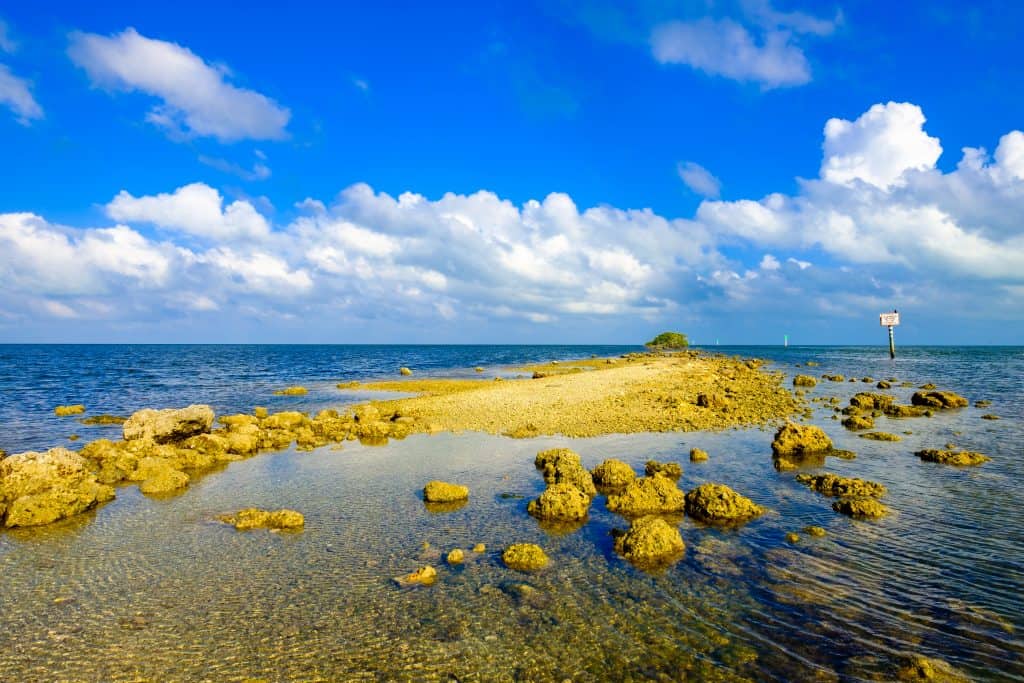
x,y
698,455
938,399
456,556
648,495
254,518
650,541
719,503
64,411
405,371
292,391
815,531
612,473
168,425
833,485
565,468
880,436
804,381
920,668
479,548
443,492
424,576
860,507
794,439
524,557
40,488
560,502
672,470
792,537
952,457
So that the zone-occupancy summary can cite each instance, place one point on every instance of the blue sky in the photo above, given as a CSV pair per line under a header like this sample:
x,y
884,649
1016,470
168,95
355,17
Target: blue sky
x,y
525,172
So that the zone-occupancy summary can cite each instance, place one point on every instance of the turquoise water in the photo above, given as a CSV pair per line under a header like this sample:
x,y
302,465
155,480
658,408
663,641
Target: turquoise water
x,y
153,589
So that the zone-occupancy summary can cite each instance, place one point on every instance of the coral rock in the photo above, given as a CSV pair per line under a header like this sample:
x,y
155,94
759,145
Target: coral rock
x,y
560,502
64,411
938,399
719,503
524,557
254,518
165,426
648,495
443,492
952,457
804,381
860,507
39,488
650,541
698,455
612,473
672,470
833,485
795,439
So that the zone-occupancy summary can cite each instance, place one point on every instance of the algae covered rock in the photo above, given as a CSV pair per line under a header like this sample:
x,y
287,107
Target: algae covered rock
x,y
104,419
698,455
551,455
834,378
524,557
40,488
920,668
443,492
565,468
405,371
938,399
869,400
858,422
672,470
833,485
719,503
648,495
560,502
292,391
804,381
456,556
899,410
880,436
612,473
796,440
254,518
64,411
650,542
424,576
952,457
168,425
158,475
815,531
860,507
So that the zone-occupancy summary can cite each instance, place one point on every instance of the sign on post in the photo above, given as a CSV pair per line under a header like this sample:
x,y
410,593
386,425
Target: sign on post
x,y
889,319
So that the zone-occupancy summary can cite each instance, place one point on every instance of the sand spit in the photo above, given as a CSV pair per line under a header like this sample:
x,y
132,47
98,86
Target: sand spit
x,y
642,393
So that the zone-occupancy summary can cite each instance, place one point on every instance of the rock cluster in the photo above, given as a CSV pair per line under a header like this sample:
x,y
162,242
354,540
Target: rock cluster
x,y
719,503
938,399
869,400
804,381
672,470
650,542
833,485
563,466
40,488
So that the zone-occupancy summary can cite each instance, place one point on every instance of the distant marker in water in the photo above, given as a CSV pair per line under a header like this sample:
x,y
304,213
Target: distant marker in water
x,y
785,340
890,320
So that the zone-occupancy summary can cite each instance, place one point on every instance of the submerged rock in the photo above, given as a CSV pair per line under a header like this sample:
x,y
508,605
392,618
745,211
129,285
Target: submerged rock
x,y
860,507
524,557
456,556
64,411
882,384
952,457
898,410
648,495
698,455
165,426
834,378
857,422
443,492
613,474
560,502
989,416
157,475
292,391
254,518
719,503
672,470
834,485
792,537
650,542
424,576
880,436
104,419
795,439
938,399
804,381
983,403
920,668
40,488
815,531
479,548
405,371
869,400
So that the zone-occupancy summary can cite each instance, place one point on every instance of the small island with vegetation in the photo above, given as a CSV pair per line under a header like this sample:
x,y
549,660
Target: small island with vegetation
x,y
668,341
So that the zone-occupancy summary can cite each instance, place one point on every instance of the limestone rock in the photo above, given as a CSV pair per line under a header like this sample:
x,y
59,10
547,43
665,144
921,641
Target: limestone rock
x,y
612,473
869,400
524,557
456,556
64,411
648,495
292,391
698,455
254,518
938,399
857,422
560,502
165,426
795,440
833,485
898,410
804,381
158,475
880,436
952,457
719,503
672,470
104,419
567,469
815,531
860,507
650,542
405,371
920,668
39,488
443,492
424,576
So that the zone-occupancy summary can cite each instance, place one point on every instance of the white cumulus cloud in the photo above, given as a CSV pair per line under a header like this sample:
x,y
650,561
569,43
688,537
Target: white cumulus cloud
x,y
16,95
699,179
197,209
196,97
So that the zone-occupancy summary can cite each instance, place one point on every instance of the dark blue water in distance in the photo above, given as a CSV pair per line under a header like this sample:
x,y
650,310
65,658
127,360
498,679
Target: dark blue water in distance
x,y
149,588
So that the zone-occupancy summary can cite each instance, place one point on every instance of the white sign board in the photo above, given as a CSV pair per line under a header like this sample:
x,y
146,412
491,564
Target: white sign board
x,y
889,319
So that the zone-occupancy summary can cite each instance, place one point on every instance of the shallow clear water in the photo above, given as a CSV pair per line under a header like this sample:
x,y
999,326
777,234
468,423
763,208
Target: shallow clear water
x,y
153,589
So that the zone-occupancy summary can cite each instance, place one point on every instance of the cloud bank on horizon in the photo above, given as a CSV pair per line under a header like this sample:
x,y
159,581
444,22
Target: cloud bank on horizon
x,y
880,223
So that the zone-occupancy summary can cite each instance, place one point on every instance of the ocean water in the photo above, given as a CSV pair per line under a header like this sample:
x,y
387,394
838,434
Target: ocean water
x,y
152,589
